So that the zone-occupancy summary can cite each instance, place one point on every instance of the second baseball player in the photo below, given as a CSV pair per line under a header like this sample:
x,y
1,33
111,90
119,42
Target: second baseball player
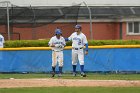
x,y
79,40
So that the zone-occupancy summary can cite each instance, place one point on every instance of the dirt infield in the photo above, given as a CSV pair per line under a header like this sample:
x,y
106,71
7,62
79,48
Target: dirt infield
x,y
12,83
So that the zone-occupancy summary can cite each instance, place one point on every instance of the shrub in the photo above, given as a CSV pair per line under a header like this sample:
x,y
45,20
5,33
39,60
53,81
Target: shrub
x,y
44,43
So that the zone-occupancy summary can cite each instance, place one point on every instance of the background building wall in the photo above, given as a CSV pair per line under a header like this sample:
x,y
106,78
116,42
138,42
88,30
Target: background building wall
x,y
129,37
101,31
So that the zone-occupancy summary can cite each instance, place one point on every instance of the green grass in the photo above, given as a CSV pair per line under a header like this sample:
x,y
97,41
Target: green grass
x,y
72,90
69,76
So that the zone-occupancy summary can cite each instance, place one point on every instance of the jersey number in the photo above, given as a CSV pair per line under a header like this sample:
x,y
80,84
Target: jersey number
x,y
79,42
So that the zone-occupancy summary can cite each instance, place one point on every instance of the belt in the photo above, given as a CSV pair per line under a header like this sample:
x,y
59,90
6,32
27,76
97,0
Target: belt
x,y
77,48
57,51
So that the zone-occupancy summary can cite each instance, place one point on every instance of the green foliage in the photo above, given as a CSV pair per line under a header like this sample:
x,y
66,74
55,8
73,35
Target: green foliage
x,y
26,43
44,43
113,42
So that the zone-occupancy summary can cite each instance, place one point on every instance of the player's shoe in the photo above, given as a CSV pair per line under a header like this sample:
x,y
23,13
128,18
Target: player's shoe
x,y
74,74
53,74
59,75
83,74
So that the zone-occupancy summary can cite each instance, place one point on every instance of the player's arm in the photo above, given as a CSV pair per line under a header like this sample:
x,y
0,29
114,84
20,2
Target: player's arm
x,y
51,43
69,38
2,40
85,44
64,42
86,48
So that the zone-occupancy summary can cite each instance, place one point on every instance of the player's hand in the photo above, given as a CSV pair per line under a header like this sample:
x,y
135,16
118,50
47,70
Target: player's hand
x,y
86,52
52,45
57,45
61,46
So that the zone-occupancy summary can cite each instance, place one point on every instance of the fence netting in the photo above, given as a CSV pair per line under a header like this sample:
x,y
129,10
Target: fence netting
x,y
37,22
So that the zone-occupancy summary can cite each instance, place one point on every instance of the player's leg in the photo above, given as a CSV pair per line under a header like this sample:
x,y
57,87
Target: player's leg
x,y
81,61
60,61
54,62
74,61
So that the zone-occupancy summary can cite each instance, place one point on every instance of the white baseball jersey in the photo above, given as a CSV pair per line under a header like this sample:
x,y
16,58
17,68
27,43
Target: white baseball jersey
x,y
57,53
55,41
78,41
1,41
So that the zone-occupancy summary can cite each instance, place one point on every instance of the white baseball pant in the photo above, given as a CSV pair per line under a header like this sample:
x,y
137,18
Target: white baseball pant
x,y
57,57
77,55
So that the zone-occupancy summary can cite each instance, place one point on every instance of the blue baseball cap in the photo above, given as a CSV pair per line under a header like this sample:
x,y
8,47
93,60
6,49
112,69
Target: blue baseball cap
x,y
78,26
58,31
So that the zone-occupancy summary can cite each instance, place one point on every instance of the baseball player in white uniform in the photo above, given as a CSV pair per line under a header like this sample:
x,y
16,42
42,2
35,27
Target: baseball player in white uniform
x,y
1,45
57,44
1,41
79,40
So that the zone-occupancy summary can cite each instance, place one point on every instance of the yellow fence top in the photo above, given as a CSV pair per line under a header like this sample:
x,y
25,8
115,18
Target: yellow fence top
x,y
69,47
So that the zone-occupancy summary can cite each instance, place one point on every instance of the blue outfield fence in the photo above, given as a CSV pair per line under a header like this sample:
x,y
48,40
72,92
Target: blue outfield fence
x,y
98,59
